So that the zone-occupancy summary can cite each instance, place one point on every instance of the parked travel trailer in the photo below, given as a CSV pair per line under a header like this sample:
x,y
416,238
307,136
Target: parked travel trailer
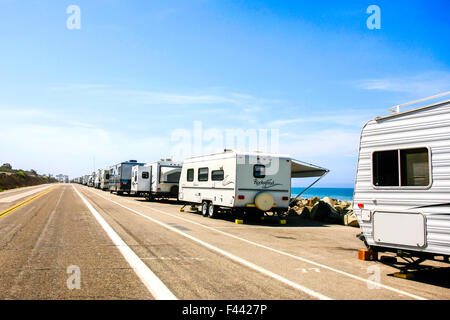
x,y
140,180
402,191
104,179
85,179
120,176
159,179
91,180
249,183
97,179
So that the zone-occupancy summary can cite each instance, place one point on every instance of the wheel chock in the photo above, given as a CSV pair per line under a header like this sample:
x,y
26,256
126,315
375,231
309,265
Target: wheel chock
x,y
404,275
181,210
238,221
367,255
282,221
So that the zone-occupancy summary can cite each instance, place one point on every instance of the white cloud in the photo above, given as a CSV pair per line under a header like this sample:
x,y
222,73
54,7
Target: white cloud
x,y
425,84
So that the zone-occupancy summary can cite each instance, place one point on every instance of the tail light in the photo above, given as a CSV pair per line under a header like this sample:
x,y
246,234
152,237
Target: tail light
x,y
121,183
285,198
159,189
241,197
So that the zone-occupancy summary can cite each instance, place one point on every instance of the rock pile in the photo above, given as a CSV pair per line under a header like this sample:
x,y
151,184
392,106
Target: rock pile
x,y
325,210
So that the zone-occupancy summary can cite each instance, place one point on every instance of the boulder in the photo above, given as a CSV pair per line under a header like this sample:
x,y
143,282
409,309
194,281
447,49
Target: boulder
x,y
322,211
313,201
330,201
305,212
350,219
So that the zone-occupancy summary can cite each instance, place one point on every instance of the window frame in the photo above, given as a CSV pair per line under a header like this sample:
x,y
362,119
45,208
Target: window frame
x,y
212,175
142,175
187,175
400,187
198,174
259,165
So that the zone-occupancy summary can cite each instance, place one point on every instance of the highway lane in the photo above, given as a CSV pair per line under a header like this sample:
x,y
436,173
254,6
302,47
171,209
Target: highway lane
x,y
320,258
193,256
41,240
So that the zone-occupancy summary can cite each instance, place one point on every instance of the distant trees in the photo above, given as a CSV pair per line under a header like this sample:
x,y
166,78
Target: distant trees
x,y
6,167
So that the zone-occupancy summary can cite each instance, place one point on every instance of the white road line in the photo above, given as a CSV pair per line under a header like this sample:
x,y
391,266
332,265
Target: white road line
x,y
156,287
373,283
229,255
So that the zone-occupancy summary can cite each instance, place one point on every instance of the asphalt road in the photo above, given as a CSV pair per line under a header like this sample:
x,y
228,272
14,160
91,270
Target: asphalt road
x,y
74,242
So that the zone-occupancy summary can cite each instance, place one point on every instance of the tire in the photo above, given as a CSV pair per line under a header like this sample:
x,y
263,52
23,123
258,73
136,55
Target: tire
x,y
264,201
205,208
212,211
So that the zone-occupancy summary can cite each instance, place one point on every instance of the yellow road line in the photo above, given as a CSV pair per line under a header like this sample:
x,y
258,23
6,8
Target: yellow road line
x,y
17,206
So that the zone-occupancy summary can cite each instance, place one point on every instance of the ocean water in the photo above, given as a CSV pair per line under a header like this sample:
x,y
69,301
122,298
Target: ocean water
x,y
345,194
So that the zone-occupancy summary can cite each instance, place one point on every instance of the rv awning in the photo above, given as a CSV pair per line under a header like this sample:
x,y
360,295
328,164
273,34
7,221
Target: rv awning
x,y
301,169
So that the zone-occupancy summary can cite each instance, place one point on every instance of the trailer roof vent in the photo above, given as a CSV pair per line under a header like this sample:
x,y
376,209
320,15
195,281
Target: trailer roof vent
x,y
132,161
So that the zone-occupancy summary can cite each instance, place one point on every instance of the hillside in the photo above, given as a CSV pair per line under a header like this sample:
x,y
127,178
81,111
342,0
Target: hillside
x,y
11,178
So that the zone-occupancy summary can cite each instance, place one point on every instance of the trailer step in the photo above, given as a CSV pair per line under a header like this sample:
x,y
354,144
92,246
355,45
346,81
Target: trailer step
x,y
367,255
404,275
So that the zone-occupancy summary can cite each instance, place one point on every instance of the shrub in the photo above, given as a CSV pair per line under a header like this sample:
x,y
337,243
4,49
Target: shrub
x,y
21,174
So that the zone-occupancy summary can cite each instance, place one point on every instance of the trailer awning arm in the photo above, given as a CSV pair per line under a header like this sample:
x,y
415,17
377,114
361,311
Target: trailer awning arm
x,y
300,169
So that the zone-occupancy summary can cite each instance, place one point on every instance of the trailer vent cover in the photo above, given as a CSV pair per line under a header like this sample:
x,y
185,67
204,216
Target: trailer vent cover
x,y
264,201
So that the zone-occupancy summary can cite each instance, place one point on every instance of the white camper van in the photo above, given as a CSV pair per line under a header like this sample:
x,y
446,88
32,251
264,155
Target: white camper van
x,y
402,191
159,179
249,183
104,179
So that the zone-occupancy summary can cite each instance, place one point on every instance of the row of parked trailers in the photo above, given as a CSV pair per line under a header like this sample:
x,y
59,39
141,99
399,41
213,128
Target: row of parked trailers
x,y
402,189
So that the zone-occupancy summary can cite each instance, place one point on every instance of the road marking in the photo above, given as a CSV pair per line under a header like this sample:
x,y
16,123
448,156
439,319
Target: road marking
x,y
156,287
22,195
229,255
17,206
367,281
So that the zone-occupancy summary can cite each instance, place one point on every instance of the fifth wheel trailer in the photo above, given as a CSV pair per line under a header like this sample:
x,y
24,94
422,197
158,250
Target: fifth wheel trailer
x,y
402,190
248,183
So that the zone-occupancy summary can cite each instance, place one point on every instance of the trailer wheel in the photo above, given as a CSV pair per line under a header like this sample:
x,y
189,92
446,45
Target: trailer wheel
x,y
205,209
212,211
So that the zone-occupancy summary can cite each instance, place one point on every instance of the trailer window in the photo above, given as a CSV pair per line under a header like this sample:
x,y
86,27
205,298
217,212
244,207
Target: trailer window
x,y
145,175
190,175
385,169
259,171
415,167
401,168
217,175
203,174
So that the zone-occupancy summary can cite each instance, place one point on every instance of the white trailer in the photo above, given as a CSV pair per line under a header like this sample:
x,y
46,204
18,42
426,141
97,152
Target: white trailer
x,y
85,179
104,179
246,183
140,180
157,180
402,190
97,179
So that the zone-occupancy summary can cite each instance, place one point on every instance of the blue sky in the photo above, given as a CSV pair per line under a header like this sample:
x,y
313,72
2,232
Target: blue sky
x,y
136,71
